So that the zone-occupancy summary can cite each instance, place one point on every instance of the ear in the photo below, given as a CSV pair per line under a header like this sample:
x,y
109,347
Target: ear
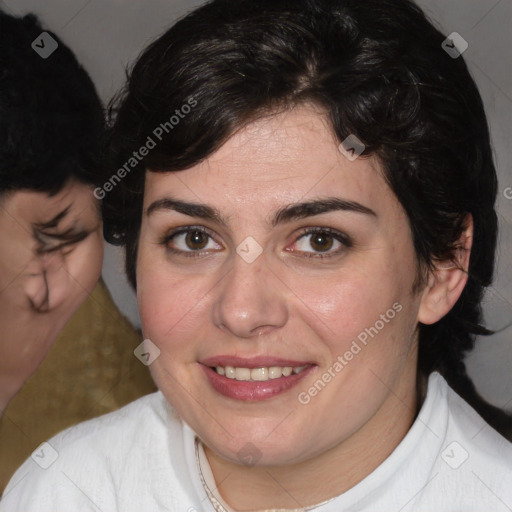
x,y
447,280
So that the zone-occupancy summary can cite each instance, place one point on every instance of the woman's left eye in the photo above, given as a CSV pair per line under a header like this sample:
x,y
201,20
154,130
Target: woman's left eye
x,y
324,242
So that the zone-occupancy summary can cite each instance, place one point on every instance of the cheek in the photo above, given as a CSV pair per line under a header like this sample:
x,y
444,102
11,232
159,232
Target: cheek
x,y
169,303
342,307
89,258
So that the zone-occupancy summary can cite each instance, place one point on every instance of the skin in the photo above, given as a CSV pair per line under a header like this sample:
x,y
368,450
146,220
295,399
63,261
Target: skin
x,y
287,305
43,279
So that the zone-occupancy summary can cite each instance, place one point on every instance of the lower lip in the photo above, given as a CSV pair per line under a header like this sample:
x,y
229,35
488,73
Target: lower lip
x,y
253,390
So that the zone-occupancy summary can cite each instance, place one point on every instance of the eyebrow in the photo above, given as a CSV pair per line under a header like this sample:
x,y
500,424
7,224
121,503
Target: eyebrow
x,y
53,223
288,213
68,237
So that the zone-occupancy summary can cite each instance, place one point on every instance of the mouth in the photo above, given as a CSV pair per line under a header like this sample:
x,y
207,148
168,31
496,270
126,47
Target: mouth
x,y
254,379
261,374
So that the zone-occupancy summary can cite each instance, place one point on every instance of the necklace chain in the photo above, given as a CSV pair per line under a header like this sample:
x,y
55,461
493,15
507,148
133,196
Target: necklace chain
x,y
215,502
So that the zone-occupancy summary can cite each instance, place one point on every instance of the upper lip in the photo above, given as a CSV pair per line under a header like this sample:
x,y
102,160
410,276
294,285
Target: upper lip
x,y
251,362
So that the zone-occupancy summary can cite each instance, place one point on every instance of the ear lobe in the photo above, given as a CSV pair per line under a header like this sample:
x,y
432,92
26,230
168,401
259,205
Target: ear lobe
x,y
447,281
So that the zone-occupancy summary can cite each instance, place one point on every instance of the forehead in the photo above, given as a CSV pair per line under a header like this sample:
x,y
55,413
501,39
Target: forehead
x,y
277,159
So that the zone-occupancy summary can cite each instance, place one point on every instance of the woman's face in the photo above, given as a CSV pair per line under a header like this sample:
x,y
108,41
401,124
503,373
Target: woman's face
x,y
279,260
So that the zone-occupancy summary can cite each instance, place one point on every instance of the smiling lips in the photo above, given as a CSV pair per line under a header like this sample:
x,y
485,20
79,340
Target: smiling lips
x,y
253,379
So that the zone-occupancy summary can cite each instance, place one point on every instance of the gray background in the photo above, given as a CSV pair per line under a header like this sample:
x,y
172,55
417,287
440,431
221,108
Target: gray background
x,y
107,35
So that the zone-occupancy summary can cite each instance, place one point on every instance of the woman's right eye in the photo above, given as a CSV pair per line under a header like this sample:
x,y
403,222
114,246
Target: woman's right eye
x,y
190,242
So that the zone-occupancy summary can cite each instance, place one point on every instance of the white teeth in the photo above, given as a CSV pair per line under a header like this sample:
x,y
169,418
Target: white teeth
x,y
242,374
258,374
274,372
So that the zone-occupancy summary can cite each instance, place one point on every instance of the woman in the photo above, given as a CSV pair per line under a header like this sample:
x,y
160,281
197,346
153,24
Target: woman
x,y
305,192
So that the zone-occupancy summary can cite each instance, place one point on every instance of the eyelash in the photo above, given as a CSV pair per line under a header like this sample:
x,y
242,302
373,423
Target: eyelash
x,y
338,236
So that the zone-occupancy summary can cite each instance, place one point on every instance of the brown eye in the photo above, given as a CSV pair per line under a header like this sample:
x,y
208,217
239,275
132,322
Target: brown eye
x,y
190,241
321,241
196,240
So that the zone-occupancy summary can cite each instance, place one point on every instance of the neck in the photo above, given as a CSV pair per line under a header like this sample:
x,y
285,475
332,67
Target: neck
x,y
327,475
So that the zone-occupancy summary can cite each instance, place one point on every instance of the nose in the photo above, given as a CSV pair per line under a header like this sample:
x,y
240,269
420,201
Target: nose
x,y
49,283
251,300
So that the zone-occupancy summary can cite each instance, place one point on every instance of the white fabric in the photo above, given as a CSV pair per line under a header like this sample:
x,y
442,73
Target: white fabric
x,y
142,459
211,486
